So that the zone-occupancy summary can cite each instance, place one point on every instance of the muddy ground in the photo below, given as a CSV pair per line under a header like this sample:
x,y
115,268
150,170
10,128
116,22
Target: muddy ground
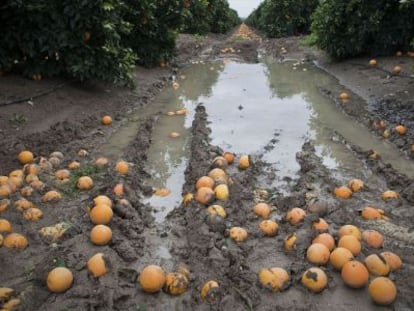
x,y
59,115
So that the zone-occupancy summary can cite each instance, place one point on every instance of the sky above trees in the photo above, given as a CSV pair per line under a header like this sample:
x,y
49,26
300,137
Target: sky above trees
x,y
244,7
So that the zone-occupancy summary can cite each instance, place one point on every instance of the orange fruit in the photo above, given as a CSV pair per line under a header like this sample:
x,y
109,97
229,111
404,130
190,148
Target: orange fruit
x,y
318,254
175,283
377,265
101,214
343,192
122,167
373,238
15,240
372,62
59,279
355,274
102,199
339,257
204,195
5,226
382,290
262,210
205,181
238,234
152,278
355,184
325,239
229,156
269,227
314,279
244,162
221,192
320,225
209,291
349,230
217,172
393,260
101,235
351,243
295,215
275,279
85,183
97,265
106,120
217,209
25,157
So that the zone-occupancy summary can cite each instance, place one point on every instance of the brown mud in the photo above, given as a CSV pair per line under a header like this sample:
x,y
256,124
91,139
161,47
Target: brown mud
x,y
67,119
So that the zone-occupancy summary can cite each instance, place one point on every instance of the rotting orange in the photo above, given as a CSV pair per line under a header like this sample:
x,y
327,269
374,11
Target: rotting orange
x,y
209,291
101,161
290,242
220,162
32,214
62,174
295,215
377,265
314,279
269,227
15,240
175,283
97,265
356,184
320,225
373,238
217,209
217,172
262,210
389,194
393,260
238,234
5,226
221,192
276,279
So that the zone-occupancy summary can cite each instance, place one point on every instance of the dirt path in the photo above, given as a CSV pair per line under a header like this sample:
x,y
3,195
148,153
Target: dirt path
x,y
68,119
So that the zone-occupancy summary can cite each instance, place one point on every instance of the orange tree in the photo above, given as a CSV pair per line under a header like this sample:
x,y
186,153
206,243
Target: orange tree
x,y
205,16
87,39
155,27
348,28
281,18
79,38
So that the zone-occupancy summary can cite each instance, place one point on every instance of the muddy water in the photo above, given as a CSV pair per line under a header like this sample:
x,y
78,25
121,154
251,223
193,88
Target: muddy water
x,y
271,109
